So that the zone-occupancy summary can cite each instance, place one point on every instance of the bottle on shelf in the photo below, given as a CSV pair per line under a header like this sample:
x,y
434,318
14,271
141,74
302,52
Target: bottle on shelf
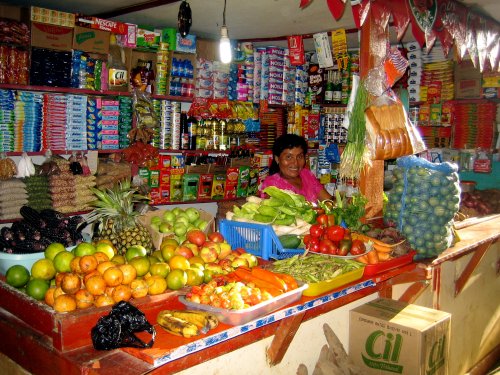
x,y
192,127
337,88
329,87
117,69
184,135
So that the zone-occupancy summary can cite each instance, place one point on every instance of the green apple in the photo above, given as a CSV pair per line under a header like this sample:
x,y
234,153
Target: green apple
x,y
177,210
135,251
182,220
193,214
165,227
156,220
202,225
169,216
180,229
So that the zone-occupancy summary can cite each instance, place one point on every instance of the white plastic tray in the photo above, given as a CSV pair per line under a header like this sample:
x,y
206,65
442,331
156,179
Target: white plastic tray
x,y
238,317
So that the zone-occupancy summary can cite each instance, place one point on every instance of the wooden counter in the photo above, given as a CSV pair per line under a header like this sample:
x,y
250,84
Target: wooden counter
x,y
34,352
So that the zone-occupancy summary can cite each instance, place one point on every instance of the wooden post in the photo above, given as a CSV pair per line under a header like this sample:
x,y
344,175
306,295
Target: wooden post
x,y
372,50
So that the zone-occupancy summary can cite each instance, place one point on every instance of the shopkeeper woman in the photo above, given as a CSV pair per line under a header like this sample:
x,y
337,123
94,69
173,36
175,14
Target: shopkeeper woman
x,y
288,170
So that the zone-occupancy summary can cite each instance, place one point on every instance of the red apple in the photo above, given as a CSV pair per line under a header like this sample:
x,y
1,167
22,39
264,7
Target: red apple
x,y
251,259
213,245
226,265
214,267
225,250
216,237
208,254
196,236
184,251
195,249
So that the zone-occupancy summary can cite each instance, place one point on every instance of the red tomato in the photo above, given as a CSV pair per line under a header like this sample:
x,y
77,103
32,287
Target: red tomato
x,y
358,247
326,246
196,236
316,230
335,233
216,237
314,244
322,220
307,239
331,220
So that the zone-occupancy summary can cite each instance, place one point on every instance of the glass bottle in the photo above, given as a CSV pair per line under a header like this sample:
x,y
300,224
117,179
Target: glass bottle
x,y
337,88
192,125
329,88
117,74
184,136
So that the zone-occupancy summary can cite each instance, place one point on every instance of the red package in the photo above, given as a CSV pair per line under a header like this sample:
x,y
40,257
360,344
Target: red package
x,y
296,48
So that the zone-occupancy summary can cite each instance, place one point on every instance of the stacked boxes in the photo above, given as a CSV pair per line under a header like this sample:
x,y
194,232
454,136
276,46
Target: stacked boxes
x,y
289,75
109,133
125,120
276,61
415,70
76,116
257,74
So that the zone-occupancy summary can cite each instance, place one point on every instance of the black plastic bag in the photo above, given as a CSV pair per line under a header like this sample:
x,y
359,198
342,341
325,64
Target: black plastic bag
x,y
116,330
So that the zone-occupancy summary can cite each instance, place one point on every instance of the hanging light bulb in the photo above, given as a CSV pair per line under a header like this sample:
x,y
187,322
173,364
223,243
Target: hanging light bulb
x,y
225,43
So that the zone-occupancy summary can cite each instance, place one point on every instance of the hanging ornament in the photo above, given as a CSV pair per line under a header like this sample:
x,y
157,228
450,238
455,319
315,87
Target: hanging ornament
x,y
184,19
336,8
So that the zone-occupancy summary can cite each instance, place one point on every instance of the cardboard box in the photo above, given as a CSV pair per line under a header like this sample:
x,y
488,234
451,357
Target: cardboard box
x,y
176,184
51,36
232,176
186,44
148,38
53,17
101,24
393,337
467,80
91,40
158,237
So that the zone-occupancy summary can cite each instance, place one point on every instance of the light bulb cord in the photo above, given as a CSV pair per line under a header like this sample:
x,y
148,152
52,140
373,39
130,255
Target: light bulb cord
x,y
224,14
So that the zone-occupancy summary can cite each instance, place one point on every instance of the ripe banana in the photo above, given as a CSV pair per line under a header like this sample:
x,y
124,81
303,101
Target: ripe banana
x,y
187,323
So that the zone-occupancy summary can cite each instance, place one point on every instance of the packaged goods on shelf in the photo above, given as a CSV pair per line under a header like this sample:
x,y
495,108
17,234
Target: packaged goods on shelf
x,y
13,196
39,196
110,172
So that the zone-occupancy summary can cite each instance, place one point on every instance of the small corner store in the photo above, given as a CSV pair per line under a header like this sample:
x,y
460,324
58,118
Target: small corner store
x,y
451,287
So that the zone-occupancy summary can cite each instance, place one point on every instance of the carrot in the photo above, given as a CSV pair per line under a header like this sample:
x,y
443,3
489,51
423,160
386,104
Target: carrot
x,y
383,256
372,257
290,281
246,276
269,277
362,259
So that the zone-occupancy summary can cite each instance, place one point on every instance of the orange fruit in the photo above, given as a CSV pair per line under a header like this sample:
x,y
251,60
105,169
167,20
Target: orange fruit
x,y
104,300
113,276
178,262
90,274
58,291
129,273
88,263
49,296
119,259
196,260
96,285
75,265
71,283
101,267
64,303
59,277
109,290
176,279
84,299
122,293
139,288
101,257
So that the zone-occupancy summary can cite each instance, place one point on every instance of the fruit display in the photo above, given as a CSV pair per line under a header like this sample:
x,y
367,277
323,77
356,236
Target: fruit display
x,y
38,229
422,203
287,212
186,323
115,218
478,203
175,223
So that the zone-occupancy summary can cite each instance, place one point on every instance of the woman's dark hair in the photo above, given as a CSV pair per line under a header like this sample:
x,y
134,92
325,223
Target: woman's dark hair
x,y
284,142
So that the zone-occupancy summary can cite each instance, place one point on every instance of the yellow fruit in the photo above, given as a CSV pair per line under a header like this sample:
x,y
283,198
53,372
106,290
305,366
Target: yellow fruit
x,y
156,285
96,285
161,269
106,248
195,276
104,300
102,267
49,296
167,251
141,265
17,276
139,288
113,276
129,273
43,269
176,279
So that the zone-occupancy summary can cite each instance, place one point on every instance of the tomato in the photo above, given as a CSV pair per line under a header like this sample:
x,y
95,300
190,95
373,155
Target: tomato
x,y
307,239
326,246
313,244
335,233
322,220
331,220
216,237
316,230
358,247
196,236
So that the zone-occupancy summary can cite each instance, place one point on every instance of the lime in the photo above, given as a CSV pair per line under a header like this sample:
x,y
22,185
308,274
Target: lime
x,y
36,288
62,261
17,276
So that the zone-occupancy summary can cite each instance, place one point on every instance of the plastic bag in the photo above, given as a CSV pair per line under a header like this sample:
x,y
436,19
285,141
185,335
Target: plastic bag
x,y
390,133
25,168
116,330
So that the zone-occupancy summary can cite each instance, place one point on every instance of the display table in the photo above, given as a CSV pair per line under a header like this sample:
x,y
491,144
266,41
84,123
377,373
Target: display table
x,y
34,352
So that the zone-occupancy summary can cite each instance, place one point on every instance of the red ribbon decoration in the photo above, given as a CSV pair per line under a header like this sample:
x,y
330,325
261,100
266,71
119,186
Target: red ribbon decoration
x,y
304,3
336,8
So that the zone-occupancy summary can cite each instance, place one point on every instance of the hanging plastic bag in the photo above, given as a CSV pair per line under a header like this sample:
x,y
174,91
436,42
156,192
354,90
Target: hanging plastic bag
x,y
116,330
25,168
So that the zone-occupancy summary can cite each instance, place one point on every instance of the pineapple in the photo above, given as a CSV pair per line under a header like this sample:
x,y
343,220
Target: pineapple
x,y
116,219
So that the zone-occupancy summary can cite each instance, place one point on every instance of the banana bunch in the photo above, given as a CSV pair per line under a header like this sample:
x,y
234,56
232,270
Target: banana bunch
x,y
186,323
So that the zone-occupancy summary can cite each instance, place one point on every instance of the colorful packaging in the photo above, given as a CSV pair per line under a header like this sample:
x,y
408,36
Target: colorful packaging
x,y
218,186
205,186
190,183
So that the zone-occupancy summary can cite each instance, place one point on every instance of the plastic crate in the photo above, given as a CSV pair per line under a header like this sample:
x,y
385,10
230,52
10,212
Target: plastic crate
x,y
257,239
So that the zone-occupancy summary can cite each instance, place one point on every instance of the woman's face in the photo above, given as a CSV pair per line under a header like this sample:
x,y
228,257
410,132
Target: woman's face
x,y
291,161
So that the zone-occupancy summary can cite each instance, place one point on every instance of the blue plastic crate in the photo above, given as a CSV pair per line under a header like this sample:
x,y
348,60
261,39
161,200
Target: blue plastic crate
x,y
257,239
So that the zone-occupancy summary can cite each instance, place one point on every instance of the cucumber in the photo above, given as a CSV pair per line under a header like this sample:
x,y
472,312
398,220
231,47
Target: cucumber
x,y
289,241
